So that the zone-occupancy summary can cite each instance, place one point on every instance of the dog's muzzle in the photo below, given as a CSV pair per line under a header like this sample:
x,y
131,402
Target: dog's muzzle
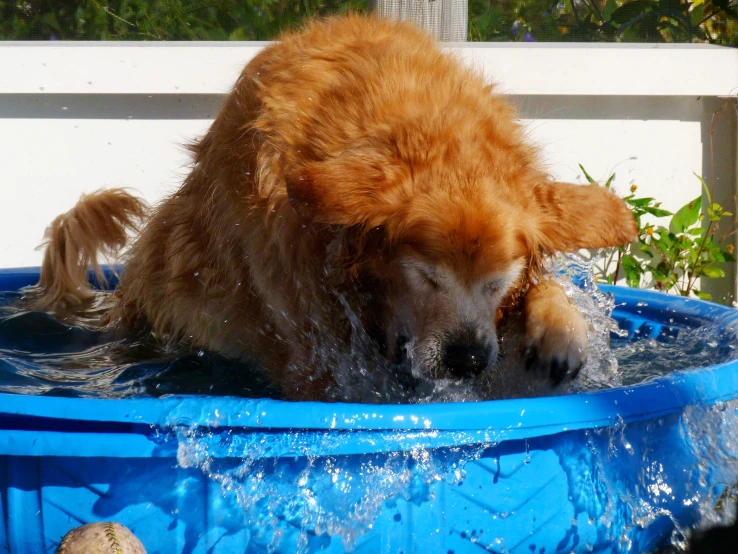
x,y
466,359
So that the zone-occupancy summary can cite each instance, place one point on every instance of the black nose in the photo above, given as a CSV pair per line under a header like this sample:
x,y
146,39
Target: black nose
x,y
465,360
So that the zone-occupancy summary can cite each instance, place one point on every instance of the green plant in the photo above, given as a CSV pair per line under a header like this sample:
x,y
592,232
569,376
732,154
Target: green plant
x,y
671,258
714,21
160,19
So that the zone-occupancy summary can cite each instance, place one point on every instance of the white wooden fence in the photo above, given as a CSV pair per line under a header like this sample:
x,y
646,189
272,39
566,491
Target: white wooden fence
x,y
76,117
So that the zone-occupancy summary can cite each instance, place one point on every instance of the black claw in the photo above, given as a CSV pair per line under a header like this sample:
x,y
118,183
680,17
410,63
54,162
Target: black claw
x,y
575,373
532,358
559,370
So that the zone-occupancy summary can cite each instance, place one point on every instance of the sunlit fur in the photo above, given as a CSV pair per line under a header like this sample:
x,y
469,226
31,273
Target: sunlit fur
x,y
349,158
97,225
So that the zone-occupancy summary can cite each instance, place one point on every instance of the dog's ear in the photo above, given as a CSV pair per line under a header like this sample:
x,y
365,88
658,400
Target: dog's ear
x,y
356,189
572,217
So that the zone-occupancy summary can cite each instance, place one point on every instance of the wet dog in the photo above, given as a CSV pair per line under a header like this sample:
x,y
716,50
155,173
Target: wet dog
x,y
355,167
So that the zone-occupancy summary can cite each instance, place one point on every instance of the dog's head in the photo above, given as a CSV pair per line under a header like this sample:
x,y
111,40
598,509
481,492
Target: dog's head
x,y
453,248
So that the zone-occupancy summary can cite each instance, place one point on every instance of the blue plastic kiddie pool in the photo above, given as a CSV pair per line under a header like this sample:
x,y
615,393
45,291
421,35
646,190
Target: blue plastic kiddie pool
x,y
619,470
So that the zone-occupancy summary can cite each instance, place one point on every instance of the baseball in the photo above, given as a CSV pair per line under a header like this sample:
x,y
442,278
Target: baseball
x,y
100,538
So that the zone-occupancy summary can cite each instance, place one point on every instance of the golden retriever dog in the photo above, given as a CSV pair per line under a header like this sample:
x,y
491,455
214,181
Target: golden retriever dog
x,y
355,170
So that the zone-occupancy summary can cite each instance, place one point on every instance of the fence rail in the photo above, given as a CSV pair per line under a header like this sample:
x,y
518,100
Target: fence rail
x,y
76,117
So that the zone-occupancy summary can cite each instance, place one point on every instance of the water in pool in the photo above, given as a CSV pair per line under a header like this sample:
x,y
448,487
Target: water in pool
x,y
45,356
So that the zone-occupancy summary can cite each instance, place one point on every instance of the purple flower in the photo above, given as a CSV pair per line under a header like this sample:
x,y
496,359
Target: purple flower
x,y
527,37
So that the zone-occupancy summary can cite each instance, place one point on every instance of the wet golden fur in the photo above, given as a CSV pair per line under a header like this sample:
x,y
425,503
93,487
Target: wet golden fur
x,y
343,151
75,240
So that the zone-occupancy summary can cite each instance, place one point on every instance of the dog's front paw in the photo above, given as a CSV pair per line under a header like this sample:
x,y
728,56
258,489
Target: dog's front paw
x,y
555,340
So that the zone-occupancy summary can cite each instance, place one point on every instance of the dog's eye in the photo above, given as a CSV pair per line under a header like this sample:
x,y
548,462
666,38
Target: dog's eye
x,y
491,288
433,283
431,280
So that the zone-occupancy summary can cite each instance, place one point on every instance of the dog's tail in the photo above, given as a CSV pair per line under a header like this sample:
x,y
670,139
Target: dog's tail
x,y
97,225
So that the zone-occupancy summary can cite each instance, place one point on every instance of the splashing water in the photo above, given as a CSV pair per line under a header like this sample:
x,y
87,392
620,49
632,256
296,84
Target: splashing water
x,y
40,355
676,472
621,489
295,498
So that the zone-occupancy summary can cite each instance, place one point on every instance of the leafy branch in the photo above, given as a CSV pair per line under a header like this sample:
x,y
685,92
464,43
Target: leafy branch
x,y
672,258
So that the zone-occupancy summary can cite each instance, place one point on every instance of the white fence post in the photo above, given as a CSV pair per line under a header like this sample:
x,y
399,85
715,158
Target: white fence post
x,y
447,20
720,154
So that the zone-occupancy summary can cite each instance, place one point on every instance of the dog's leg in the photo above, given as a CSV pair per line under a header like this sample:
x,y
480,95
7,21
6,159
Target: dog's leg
x,y
296,363
555,338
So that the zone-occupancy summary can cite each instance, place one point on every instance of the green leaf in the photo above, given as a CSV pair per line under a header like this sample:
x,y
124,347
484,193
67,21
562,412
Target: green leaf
x,y
697,13
704,187
658,212
716,212
659,271
632,10
686,242
609,181
237,34
632,269
728,257
661,245
712,272
702,295
665,240
610,7
669,5
586,175
51,20
640,202
714,255
686,216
